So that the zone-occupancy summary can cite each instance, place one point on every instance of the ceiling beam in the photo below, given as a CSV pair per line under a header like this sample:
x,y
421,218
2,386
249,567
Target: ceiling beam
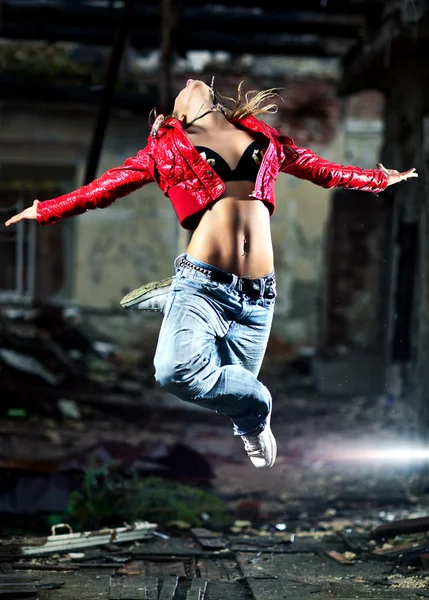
x,y
328,7
260,44
285,21
15,17
60,20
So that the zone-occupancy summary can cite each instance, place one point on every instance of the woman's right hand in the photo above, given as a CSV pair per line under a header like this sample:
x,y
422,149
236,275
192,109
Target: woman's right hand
x,y
28,213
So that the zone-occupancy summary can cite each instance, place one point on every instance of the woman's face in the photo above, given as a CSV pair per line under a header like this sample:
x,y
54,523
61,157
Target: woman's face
x,y
194,97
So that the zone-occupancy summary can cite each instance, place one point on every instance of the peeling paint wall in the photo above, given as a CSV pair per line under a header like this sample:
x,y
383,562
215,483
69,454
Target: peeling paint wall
x,y
298,231
132,242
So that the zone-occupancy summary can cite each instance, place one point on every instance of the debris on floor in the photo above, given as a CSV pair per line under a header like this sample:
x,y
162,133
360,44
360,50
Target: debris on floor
x,y
205,563
75,541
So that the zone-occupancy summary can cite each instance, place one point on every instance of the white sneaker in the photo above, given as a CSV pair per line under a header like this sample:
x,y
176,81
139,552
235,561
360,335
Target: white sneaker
x,y
151,297
261,448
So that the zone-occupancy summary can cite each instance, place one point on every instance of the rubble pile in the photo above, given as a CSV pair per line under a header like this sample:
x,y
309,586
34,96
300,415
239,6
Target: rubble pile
x,y
75,403
50,353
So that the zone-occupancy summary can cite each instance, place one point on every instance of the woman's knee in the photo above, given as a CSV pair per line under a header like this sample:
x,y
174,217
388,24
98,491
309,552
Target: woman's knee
x,y
164,372
170,374
178,377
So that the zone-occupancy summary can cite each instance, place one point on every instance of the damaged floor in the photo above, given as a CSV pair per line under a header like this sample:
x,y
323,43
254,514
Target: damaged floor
x,y
315,526
205,565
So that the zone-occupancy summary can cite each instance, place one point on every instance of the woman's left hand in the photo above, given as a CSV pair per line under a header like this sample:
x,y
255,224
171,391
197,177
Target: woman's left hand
x,y
395,176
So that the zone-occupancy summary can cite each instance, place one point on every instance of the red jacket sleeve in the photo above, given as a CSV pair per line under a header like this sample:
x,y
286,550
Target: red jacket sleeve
x,y
100,193
304,164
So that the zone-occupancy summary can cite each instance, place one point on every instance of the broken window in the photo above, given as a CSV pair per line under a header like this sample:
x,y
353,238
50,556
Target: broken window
x,y
35,262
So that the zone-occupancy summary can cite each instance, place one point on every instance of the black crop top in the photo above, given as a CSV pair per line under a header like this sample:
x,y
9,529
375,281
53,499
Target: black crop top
x,y
247,168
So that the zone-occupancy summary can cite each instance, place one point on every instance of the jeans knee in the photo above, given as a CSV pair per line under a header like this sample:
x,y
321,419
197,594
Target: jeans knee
x,y
164,374
180,378
170,376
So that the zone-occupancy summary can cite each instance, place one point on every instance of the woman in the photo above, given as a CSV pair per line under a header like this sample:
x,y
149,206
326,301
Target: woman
x,y
218,169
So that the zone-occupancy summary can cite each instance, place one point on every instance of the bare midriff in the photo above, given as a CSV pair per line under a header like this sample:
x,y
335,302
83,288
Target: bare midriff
x,y
234,233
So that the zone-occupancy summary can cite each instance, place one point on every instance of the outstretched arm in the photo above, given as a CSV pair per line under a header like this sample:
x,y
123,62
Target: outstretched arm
x,y
305,164
115,183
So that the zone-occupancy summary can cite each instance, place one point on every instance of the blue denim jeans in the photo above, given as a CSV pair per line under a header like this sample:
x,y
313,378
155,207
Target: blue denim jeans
x,y
211,345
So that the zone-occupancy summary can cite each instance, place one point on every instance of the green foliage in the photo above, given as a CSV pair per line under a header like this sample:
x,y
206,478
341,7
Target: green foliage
x,y
167,500
48,60
96,502
108,498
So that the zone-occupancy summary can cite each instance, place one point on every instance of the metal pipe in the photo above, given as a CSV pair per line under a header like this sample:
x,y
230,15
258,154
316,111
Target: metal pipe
x,y
108,91
166,53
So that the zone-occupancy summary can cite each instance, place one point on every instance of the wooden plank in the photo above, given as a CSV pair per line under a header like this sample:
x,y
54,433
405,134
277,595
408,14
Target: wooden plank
x,y
15,585
275,564
227,590
208,539
4,569
17,590
151,588
128,588
296,590
278,588
16,578
167,569
168,588
170,548
264,540
10,551
159,569
339,558
205,533
287,546
401,527
197,590
81,586
216,569
63,568
315,569
400,551
211,543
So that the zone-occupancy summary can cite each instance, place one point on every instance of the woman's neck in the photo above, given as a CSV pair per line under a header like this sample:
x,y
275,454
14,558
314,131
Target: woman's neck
x,y
213,121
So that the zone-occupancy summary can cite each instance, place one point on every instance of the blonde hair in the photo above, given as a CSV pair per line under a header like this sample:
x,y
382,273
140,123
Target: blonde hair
x,y
251,103
244,105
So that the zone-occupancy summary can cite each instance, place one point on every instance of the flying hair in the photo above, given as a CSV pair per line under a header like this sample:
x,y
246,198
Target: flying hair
x,y
252,102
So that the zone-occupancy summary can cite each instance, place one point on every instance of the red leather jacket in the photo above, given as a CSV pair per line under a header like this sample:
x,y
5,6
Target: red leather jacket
x,y
171,160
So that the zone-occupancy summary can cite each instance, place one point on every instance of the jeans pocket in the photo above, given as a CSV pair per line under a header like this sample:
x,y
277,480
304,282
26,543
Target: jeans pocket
x,y
169,303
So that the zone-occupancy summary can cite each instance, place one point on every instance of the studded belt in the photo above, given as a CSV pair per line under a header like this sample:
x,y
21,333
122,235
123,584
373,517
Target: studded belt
x,y
251,287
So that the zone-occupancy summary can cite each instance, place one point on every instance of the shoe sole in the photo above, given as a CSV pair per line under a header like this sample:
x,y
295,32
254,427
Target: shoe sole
x,y
146,292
